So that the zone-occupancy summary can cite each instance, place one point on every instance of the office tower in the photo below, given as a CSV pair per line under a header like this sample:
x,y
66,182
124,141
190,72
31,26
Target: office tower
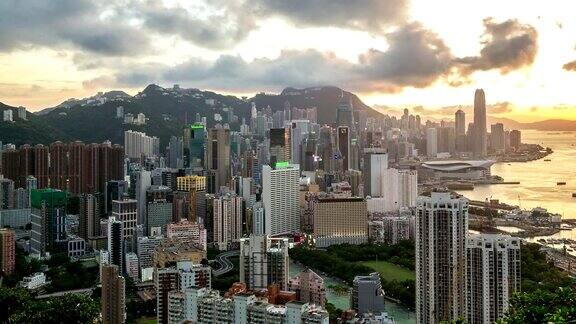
x,y
113,298
195,145
309,287
125,211
175,153
279,148
441,230
407,188
59,166
48,218
218,159
6,194
116,242
264,261
179,278
340,220
7,251
431,142
143,182
227,215
367,294
460,122
280,196
138,144
190,183
375,164
159,214
493,276
89,215
497,137
343,143
446,140
298,132
480,142
515,139
115,190
344,114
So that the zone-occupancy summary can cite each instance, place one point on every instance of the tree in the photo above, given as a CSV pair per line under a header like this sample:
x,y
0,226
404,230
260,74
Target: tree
x,y
543,307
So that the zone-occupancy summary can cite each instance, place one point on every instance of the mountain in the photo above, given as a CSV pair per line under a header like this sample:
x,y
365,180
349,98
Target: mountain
x,y
325,99
33,130
101,97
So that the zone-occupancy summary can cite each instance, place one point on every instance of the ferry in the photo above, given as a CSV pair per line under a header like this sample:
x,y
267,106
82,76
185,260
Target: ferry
x,y
547,160
561,183
574,195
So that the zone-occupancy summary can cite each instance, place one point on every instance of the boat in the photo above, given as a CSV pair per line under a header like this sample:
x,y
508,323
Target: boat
x,y
574,195
561,183
547,160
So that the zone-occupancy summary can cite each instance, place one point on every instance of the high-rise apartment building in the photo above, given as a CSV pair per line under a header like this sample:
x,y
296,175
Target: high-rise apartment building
x,y
309,287
125,211
493,275
497,137
218,159
138,144
113,300
280,196
441,231
515,139
480,136
340,220
7,251
89,215
227,215
116,242
264,261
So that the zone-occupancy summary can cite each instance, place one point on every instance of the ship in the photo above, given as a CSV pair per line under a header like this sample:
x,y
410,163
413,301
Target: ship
x,y
574,195
547,160
561,183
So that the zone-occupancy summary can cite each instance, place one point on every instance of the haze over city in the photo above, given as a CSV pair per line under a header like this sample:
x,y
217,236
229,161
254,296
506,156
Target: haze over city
x,y
392,53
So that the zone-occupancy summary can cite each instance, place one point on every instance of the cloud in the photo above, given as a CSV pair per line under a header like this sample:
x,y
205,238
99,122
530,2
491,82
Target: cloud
x,y
499,108
221,25
99,82
366,15
570,66
507,46
67,23
415,57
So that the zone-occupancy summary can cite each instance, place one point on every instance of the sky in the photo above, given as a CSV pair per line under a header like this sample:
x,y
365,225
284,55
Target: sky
x,y
426,55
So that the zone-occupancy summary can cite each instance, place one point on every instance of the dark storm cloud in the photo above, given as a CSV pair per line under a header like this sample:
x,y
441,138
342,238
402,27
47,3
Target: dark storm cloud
x,y
507,46
370,15
57,23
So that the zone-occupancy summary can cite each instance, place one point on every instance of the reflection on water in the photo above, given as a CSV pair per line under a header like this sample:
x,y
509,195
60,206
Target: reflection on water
x,y
538,178
400,314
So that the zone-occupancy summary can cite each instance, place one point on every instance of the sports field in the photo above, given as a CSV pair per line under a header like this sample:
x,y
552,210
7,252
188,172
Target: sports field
x,y
390,271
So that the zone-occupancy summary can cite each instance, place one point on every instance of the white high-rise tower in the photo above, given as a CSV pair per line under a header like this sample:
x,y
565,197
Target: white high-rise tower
x,y
280,194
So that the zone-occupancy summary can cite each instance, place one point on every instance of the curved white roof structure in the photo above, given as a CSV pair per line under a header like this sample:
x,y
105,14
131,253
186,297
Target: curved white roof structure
x,y
457,165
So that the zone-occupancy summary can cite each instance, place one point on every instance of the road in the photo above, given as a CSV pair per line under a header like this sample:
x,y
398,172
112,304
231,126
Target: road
x,y
85,291
225,264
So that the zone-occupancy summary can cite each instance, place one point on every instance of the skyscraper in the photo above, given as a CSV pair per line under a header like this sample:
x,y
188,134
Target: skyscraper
x,y
48,218
497,137
280,196
218,159
228,214
113,298
480,142
460,122
279,150
441,230
340,220
367,294
116,242
493,276
344,113
375,163
431,142
264,261
343,140
196,145
89,216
